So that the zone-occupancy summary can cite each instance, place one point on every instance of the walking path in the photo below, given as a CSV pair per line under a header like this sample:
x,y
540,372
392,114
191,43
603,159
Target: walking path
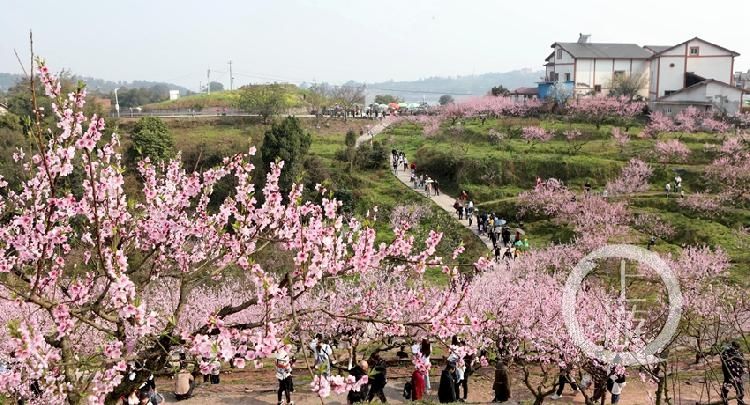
x,y
443,201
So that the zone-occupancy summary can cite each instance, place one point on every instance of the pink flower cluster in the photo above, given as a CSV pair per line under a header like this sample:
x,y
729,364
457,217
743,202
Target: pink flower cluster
x,y
633,179
671,150
534,134
689,120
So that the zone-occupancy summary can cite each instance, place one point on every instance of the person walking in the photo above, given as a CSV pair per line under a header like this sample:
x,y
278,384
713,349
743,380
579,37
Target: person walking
x,y
379,379
469,211
358,372
418,378
615,385
470,363
447,389
284,376
564,378
423,350
505,234
668,189
322,353
733,368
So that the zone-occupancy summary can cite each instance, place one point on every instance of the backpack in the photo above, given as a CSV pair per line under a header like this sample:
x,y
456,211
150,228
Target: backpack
x,y
407,390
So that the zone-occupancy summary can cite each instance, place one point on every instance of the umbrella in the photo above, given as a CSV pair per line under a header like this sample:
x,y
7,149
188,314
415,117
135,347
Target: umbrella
x,y
520,231
501,222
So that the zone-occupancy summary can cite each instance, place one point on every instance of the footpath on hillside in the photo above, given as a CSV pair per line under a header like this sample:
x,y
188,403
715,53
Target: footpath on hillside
x,y
442,200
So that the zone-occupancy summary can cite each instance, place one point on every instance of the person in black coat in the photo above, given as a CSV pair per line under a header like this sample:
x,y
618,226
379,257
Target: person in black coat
x,y
448,381
733,368
357,372
378,381
506,236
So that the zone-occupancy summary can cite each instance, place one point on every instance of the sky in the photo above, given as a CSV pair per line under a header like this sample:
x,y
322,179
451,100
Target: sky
x,y
177,41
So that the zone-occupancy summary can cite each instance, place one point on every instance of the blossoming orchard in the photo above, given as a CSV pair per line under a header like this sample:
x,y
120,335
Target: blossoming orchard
x,y
99,285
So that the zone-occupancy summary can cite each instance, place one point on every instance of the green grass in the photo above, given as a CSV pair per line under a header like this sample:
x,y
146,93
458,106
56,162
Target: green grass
x,y
463,157
224,98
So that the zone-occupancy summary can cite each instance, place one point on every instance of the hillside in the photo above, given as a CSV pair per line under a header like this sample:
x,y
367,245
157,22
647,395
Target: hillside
x,y
432,88
8,80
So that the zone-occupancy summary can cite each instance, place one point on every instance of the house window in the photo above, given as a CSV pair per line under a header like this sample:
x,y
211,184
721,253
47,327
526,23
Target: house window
x,y
669,110
694,50
559,53
597,88
555,77
668,92
567,77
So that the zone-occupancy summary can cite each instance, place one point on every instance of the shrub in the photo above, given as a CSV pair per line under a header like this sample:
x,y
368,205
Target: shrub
x,y
151,139
285,141
10,121
371,157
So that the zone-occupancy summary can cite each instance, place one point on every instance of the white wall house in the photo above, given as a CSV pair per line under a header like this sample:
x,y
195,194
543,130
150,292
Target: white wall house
x,y
695,72
592,66
670,66
707,95
3,109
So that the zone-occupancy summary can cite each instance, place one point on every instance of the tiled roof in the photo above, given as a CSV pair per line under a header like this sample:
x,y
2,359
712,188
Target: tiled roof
x,y
604,51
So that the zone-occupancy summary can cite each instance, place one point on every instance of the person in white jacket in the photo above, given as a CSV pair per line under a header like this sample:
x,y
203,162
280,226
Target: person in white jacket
x,y
322,352
422,351
618,383
284,376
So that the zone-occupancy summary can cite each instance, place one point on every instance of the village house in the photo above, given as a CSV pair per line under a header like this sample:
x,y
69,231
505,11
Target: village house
x,y
693,73
586,68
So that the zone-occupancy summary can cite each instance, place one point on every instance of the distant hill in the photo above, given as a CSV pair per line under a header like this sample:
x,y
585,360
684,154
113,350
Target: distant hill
x,y
460,86
8,80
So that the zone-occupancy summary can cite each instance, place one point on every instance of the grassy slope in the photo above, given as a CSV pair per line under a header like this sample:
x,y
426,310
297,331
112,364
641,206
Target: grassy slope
x,y
224,98
369,188
494,173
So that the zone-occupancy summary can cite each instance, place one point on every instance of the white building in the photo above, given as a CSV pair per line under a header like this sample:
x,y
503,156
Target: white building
x,y
670,67
706,95
694,72
174,94
3,109
590,67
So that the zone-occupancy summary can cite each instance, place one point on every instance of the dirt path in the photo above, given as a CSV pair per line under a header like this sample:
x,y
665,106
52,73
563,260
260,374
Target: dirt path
x,y
259,387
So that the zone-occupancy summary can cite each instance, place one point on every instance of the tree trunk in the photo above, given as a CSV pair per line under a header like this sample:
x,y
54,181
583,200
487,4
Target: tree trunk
x,y
502,381
660,386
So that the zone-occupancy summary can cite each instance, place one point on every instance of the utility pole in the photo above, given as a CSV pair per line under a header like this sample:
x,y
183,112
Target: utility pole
x,y
117,103
208,86
231,78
